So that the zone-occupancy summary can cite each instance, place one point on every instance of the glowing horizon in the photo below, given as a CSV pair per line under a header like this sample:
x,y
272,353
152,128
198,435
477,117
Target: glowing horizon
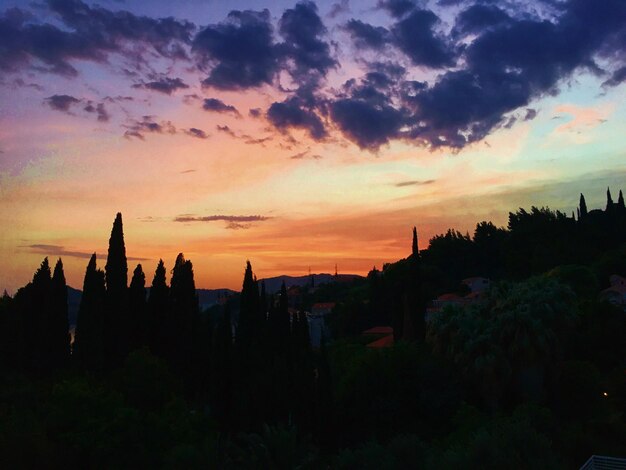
x,y
209,170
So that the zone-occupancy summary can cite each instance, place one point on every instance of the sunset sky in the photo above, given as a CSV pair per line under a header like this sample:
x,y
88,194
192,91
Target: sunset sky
x,y
296,135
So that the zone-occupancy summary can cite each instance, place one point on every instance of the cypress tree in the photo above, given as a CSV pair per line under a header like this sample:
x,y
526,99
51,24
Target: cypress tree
x,y
59,337
159,312
138,321
609,200
184,321
116,328
583,207
248,327
34,301
88,350
620,201
415,250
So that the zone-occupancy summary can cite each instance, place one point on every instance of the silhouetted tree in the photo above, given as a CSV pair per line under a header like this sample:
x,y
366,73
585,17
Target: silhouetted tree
x,y
583,207
88,351
609,200
58,326
116,269
620,201
414,249
138,323
159,312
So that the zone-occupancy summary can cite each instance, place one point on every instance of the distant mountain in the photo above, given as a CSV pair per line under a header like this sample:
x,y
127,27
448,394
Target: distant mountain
x,y
206,298
272,284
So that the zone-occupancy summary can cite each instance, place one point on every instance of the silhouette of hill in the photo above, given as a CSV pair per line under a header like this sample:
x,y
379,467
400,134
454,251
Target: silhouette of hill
x,y
272,284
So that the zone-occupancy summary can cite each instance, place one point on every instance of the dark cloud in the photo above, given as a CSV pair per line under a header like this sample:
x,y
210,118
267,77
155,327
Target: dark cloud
x,y
164,85
188,171
255,112
530,114
303,31
366,124
339,8
230,219
148,125
218,106
305,154
617,78
226,130
292,114
88,33
194,132
478,17
99,110
239,52
403,184
255,141
397,8
416,37
56,250
366,35
62,102
508,66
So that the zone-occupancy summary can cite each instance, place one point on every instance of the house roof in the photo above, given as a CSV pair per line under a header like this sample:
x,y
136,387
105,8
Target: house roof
x,y
324,305
448,296
384,342
379,330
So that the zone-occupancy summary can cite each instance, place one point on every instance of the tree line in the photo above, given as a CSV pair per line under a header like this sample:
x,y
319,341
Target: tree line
x,y
253,368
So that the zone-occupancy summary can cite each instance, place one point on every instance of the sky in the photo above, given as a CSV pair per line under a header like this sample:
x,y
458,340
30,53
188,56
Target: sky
x,y
298,135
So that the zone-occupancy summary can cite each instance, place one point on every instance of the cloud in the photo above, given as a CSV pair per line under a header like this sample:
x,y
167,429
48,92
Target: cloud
x,y
226,130
56,250
87,33
99,110
255,112
397,8
218,106
617,78
303,31
198,133
65,103
415,36
305,154
403,184
478,17
292,114
366,35
147,124
239,52
164,85
339,8
530,114
61,102
233,222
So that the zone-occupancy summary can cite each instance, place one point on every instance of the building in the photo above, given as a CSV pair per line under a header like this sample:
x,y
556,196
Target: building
x,y
317,322
477,286
384,335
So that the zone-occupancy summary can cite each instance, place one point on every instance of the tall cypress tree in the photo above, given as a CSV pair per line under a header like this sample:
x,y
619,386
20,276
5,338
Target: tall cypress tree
x,y
88,350
58,327
116,330
620,201
159,312
184,321
609,200
415,250
248,327
583,207
34,307
138,321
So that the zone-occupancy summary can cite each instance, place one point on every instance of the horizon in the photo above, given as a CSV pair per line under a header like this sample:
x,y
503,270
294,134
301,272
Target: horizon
x,y
327,150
